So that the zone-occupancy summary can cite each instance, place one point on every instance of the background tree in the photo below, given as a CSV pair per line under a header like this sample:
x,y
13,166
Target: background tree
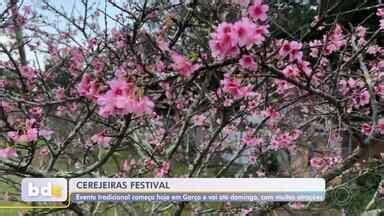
x,y
194,89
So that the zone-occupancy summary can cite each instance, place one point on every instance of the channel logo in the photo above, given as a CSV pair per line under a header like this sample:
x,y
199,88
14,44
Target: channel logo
x,y
44,189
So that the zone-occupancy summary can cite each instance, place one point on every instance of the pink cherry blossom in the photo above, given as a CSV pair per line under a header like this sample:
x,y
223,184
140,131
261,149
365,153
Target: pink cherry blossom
x,y
247,62
27,135
223,41
295,53
182,66
148,164
305,66
72,107
98,64
258,10
231,85
252,159
120,72
317,163
234,87
60,93
76,62
271,113
27,9
361,31
44,152
296,133
160,67
380,89
335,41
315,47
283,86
380,126
118,38
46,133
8,152
373,49
261,32
3,83
381,26
285,49
102,139
36,112
28,72
244,31
89,87
199,120
281,141
291,71
162,44
250,140
92,42
60,110
364,98
120,100
380,12
6,106
126,166
291,49
164,169
143,105
120,87
366,128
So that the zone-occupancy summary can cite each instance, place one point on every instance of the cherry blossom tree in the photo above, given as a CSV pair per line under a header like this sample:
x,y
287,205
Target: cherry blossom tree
x,y
191,89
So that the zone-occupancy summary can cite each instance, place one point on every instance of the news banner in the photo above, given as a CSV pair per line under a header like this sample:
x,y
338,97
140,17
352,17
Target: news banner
x,y
173,189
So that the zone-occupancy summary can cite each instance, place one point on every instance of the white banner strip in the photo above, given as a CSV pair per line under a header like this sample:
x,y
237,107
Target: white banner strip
x,y
196,185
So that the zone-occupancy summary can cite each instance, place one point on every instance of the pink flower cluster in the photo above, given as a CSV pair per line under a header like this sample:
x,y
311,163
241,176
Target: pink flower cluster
x,y
271,113
250,140
8,152
319,163
361,98
28,72
258,11
228,37
76,60
89,87
59,93
367,128
336,41
182,66
291,49
29,133
199,120
98,64
234,87
121,100
332,42
350,85
356,88
380,89
283,86
102,139
285,140
163,169
118,38
380,13
247,62
291,71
